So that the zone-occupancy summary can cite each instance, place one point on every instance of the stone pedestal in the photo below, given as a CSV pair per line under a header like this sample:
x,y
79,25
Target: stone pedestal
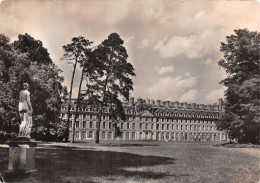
x,y
21,158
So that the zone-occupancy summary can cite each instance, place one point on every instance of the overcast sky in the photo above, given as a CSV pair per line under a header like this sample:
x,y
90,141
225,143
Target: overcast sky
x,y
173,45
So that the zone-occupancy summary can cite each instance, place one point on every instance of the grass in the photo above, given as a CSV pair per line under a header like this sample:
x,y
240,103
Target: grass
x,y
142,162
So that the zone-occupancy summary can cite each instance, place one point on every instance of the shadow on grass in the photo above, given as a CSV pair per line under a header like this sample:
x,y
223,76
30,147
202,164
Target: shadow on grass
x,y
56,165
78,165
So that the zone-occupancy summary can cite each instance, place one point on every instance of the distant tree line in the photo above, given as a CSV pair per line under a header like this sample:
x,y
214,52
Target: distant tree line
x,y
241,116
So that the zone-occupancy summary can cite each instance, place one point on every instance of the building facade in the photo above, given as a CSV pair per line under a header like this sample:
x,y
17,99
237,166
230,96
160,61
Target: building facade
x,y
150,120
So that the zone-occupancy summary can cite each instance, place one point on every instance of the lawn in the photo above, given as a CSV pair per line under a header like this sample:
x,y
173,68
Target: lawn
x,y
142,162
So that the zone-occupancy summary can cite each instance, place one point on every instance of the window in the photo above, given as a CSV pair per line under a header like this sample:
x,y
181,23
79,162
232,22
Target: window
x,y
141,126
90,117
146,126
151,126
157,127
127,126
133,125
84,135
109,125
77,135
122,125
77,124
172,127
104,125
167,126
90,134
162,126
90,124
84,124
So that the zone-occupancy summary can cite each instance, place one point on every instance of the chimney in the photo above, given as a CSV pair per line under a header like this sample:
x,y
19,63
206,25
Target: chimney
x,y
131,101
193,105
148,101
185,105
167,104
220,103
158,102
139,100
176,104
152,102
201,106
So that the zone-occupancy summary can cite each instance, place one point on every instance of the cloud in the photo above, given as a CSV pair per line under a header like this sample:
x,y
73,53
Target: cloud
x,y
144,43
171,86
166,69
189,96
213,95
177,45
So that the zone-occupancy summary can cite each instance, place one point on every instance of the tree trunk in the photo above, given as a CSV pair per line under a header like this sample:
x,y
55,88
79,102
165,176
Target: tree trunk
x,y
68,119
77,107
98,126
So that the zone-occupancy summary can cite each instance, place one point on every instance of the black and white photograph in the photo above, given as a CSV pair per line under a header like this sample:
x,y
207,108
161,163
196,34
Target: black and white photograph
x,y
129,91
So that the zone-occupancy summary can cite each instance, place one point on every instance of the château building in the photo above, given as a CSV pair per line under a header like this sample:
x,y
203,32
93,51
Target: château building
x,y
150,120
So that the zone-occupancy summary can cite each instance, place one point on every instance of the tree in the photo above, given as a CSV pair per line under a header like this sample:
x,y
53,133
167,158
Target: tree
x,y
88,69
45,86
113,81
74,51
241,61
34,49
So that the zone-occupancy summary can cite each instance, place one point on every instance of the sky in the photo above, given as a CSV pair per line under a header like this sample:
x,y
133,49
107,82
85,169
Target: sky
x,y
174,45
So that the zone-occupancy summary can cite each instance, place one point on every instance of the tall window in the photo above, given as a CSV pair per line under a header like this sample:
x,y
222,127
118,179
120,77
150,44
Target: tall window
x,y
84,124
77,124
109,125
84,135
77,135
90,124
104,125
90,134
127,126
141,126
146,126
151,126
162,126
122,125
133,125
167,126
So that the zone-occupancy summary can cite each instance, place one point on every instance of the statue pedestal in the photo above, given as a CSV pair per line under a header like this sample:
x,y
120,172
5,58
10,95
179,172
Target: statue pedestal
x,y
21,158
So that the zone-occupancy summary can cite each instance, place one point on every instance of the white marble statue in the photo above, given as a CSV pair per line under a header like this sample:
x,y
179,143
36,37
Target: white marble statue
x,y
25,111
